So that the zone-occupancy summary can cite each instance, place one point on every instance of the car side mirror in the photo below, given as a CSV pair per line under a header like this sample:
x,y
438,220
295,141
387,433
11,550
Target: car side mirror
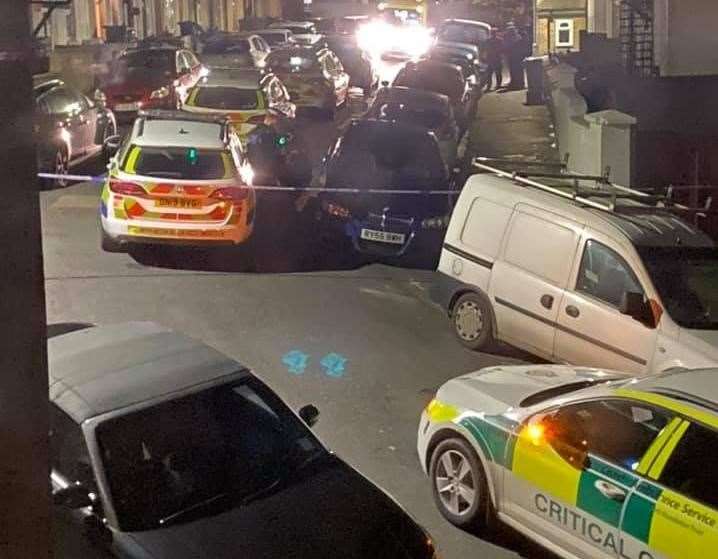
x,y
309,414
112,144
75,496
635,305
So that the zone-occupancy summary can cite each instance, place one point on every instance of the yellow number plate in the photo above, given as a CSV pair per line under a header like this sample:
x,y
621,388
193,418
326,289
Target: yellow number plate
x,y
178,203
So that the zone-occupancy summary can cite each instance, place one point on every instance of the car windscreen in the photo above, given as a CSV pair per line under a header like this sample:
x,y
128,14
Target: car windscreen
x,y
177,163
229,98
428,118
388,157
444,81
227,46
459,33
179,459
283,62
685,278
274,39
147,61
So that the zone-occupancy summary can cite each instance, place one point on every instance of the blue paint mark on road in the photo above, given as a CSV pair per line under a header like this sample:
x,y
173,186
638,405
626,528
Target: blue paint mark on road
x,y
296,361
334,364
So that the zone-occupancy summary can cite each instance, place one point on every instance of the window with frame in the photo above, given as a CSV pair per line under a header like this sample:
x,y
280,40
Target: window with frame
x,y
605,275
691,468
619,431
564,32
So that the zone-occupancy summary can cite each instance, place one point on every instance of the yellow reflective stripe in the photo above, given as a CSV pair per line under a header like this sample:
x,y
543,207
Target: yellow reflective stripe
x,y
542,468
132,160
260,100
439,412
192,97
228,167
669,403
657,445
660,463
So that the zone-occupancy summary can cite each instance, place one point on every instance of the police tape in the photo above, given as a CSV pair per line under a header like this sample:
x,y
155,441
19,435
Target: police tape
x,y
276,188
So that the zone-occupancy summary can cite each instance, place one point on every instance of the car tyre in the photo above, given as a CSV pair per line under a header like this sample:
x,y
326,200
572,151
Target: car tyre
x,y
459,486
108,244
59,165
473,322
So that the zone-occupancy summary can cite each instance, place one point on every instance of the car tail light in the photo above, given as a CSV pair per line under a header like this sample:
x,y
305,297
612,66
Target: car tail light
x,y
335,209
127,188
231,194
256,119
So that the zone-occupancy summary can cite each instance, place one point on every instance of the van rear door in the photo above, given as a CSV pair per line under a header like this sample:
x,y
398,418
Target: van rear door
x,y
528,282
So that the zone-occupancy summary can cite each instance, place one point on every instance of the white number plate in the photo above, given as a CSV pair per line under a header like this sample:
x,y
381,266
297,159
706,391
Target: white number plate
x,y
383,236
127,106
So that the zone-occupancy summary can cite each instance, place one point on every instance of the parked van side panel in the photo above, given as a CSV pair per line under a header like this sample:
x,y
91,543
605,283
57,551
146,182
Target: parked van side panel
x,y
529,279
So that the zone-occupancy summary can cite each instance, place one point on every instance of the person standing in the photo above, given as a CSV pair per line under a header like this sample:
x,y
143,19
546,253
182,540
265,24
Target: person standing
x,y
494,53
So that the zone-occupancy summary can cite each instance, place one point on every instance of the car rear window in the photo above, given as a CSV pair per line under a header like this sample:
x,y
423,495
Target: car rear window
x,y
229,98
464,33
227,46
292,63
178,163
147,60
445,81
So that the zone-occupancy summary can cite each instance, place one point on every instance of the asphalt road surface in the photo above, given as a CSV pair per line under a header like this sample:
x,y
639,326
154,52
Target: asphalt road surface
x,y
363,343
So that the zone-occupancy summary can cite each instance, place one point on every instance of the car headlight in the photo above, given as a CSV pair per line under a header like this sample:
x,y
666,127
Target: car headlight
x,y
160,93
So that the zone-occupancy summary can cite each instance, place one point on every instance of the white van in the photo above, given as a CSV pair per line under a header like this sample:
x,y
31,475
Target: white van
x,y
579,281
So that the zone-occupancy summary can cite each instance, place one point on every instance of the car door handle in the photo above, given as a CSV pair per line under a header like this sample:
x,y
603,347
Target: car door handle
x,y
609,490
547,301
572,311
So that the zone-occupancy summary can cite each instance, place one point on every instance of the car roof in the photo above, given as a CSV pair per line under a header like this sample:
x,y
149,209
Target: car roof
x,y
187,131
392,126
652,228
241,78
468,22
697,386
106,368
429,64
273,30
399,94
292,23
158,47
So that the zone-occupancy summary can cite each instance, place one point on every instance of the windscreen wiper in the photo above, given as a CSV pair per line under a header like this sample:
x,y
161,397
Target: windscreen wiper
x,y
182,512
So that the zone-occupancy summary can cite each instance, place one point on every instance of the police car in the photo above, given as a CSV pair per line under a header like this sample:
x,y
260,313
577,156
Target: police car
x,y
586,462
180,179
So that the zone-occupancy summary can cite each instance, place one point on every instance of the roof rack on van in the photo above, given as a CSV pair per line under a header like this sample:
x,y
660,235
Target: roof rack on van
x,y
595,191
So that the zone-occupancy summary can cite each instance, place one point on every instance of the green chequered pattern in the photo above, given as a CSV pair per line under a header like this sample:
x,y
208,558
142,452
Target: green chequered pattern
x,y
639,511
493,433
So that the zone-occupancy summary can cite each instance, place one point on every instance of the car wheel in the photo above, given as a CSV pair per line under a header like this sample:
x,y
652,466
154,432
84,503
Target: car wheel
x,y
108,244
60,167
459,485
473,321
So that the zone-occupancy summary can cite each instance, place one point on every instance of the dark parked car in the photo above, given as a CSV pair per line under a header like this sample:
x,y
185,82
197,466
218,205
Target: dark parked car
x,y
356,62
423,108
324,24
464,31
235,50
150,78
471,67
70,127
378,158
163,447
440,77
276,38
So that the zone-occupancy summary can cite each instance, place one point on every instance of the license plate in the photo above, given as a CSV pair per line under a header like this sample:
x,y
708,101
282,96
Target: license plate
x,y
127,106
383,236
178,203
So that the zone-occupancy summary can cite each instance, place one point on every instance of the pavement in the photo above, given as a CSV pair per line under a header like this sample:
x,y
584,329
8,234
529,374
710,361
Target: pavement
x,y
376,347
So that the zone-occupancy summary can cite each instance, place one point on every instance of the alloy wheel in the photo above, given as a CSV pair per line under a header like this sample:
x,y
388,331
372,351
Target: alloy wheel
x,y
455,483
